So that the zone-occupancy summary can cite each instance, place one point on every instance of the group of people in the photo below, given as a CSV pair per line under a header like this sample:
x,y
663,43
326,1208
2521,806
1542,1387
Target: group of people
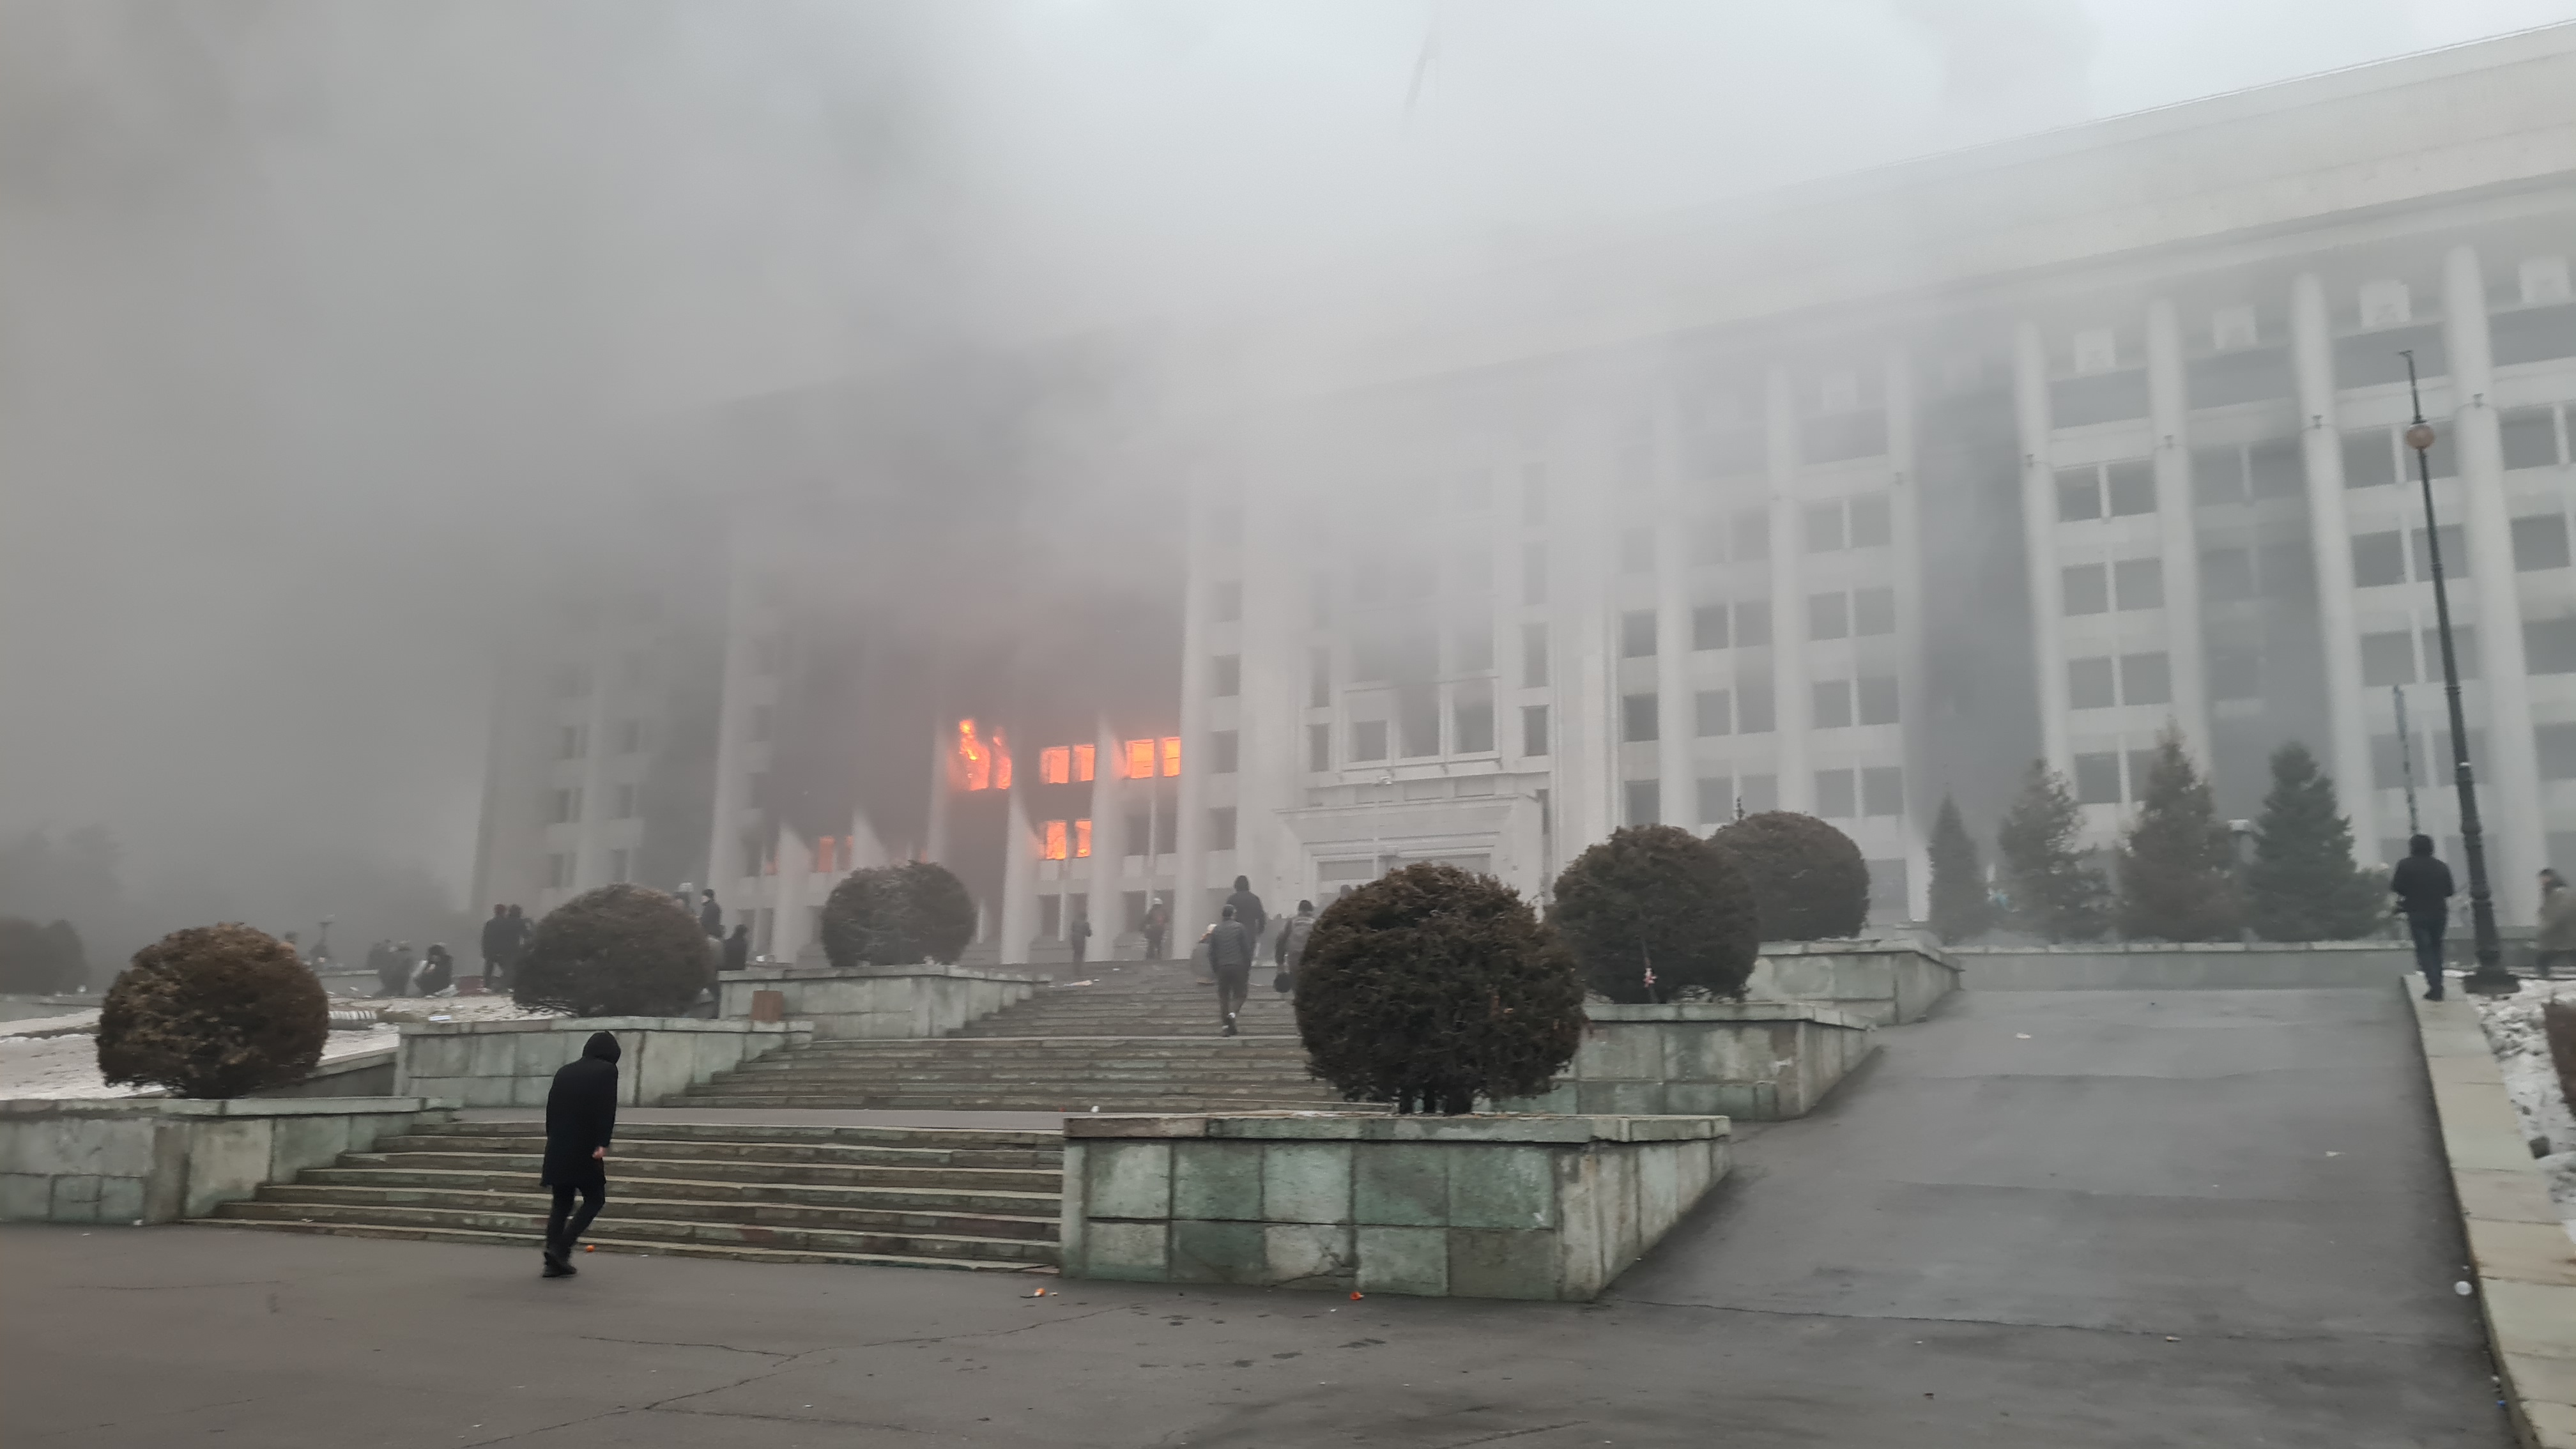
x,y
2423,887
399,972
1235,940
505,939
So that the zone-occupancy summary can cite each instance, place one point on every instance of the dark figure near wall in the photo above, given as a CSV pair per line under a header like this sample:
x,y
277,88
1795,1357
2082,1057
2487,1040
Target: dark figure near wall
x,y
1156,926
1080,936
1247,909
581,1113
737,948
500,942
711,915
1230,961
437,970
2423,889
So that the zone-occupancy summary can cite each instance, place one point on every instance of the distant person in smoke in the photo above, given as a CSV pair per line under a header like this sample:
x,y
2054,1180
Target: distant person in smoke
x,y
393,971
379,959
2423,889
711,915
1229,948
1080,936
1292,945
581,1114
499,939
437,970
1247,909
521,931
1157,925
737,948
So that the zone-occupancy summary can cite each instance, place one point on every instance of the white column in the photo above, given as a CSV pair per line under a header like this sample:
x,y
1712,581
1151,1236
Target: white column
x,y
1793,696
725,865
1583,665
2509,793
1108,846
1912,711
2330,541
943,743
1189,845
2169,415
590,864
788,931
1020,846
2039,541
1675,719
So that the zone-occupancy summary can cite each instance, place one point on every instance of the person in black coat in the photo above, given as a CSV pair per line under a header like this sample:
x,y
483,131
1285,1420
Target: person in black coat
x,y
711,916
1247,909
2422,885
581,1112
737,948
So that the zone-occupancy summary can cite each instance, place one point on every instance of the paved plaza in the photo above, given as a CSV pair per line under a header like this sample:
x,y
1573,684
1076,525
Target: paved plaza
x,y
2042,1219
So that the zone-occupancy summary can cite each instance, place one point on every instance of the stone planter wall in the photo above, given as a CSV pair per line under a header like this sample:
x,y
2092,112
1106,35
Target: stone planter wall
x,y
2157,966
153,1160
877,1002
512,1063
1889,981
1761,1061
1468,1207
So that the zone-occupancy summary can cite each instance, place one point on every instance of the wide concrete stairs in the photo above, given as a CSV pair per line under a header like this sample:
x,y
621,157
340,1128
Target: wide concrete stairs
x,y
916,1197
1141,1037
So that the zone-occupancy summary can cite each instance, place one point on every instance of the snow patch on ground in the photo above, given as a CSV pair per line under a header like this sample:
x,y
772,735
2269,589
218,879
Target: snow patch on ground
x,y
2514,1033
58,1067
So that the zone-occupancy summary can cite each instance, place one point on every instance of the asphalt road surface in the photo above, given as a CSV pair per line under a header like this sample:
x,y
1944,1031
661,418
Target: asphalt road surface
x,y
2039,1219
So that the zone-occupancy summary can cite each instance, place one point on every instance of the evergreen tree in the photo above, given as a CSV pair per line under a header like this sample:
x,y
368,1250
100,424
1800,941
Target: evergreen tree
x,y
1960,908
2052,892
2303,885
2178,864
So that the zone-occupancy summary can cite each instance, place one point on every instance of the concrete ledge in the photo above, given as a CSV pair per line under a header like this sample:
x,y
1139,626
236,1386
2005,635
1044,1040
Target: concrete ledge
x,y
2526,1265
876,1002
1758,1061
2184,966
512,1063
154,1160
360,1074
1470,1207
1888,980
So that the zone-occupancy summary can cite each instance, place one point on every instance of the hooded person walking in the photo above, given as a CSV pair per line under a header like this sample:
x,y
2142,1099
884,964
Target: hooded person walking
x,y
581,1112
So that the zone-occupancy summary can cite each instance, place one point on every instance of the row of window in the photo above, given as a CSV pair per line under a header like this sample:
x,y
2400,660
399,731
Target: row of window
x,y
572,741
566,804
1747,709
562,868
1841,794
2274,468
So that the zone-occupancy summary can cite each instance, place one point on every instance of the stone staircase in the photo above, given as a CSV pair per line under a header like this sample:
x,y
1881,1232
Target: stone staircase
x,y
911,1197
1140,1037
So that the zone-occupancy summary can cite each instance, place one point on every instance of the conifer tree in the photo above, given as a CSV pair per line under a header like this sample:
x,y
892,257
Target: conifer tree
x,y
2303,885
1960,908
2178,863
2052,893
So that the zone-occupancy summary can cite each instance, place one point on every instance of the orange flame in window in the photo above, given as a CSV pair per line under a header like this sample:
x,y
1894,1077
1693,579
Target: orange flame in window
x,y
1140,760
1082,840
1001,762
1054,840
1082,756
971,767
1171,754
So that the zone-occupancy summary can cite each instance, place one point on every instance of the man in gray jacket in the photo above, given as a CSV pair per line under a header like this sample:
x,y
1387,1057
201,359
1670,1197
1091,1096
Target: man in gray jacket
x,y
1230,960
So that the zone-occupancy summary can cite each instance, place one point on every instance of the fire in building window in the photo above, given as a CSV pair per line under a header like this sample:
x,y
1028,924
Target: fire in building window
x,y
971,767
826,855
1171,754
1055,765
1082,840
1082,758
1055,836
1140,759
1001,762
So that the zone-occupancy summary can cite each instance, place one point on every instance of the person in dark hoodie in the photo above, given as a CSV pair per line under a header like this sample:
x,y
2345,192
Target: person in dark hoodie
x,y
2423,889
1230,961
1247,909
581,1112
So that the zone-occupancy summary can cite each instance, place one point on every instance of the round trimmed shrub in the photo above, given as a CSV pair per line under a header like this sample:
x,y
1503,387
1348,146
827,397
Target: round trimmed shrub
x,y
1808,878
1655,910
213,1011
620,950
1430,987
896,915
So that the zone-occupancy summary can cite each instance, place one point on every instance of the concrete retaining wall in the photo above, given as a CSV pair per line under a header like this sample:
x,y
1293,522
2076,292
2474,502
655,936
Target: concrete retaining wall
x,y
512,1063
1761,1061
2151,966
1889,981
365,1074
153,1160
877,1002
1467,1207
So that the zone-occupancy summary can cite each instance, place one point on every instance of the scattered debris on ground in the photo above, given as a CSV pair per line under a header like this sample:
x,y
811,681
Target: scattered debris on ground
x,y
2514,1033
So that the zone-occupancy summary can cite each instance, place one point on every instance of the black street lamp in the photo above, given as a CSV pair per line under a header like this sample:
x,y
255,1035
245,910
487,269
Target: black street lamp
x,y
2490,977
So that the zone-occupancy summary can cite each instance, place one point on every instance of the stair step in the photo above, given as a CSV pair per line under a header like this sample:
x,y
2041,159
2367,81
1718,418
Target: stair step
x,y
531,1143
824,1211
645,1229
778,1188
743,1252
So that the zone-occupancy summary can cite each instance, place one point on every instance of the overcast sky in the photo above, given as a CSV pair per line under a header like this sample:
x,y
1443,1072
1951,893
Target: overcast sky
x,y
312,312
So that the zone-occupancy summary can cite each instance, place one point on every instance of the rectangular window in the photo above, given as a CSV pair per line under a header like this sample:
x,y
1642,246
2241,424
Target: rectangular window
x,y
1225,603
1083,758
1754,710
1533,654
2540,542
1534,573
568,742
1051,917
630,736
1836,796
2226,573
2088,684
1319,747
1828,616
1873,611
1368,739
1171,754
2378,559
1473,649
1140,836
2388,659
620,865
2139,583
1473,725
1059,840
2086,589
1752,532
1759,793
2132,488
2145,679
1082,840
1877,700
2217,475
1833,704
1637,722
1223,748
2142,764
2079,495
1753,623
1873,522
567,805
1140,760
1055,765
1824,527
559,870
2235,673
2097,779
1221,828
1882,790
2455,553
2273,469
2369,460
1637,634
626,803
1533,729
1228,676
1716,799
2530,438
1714,712
2549,646
1644,800
1637,551
1708,626
1319,678
2556,746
